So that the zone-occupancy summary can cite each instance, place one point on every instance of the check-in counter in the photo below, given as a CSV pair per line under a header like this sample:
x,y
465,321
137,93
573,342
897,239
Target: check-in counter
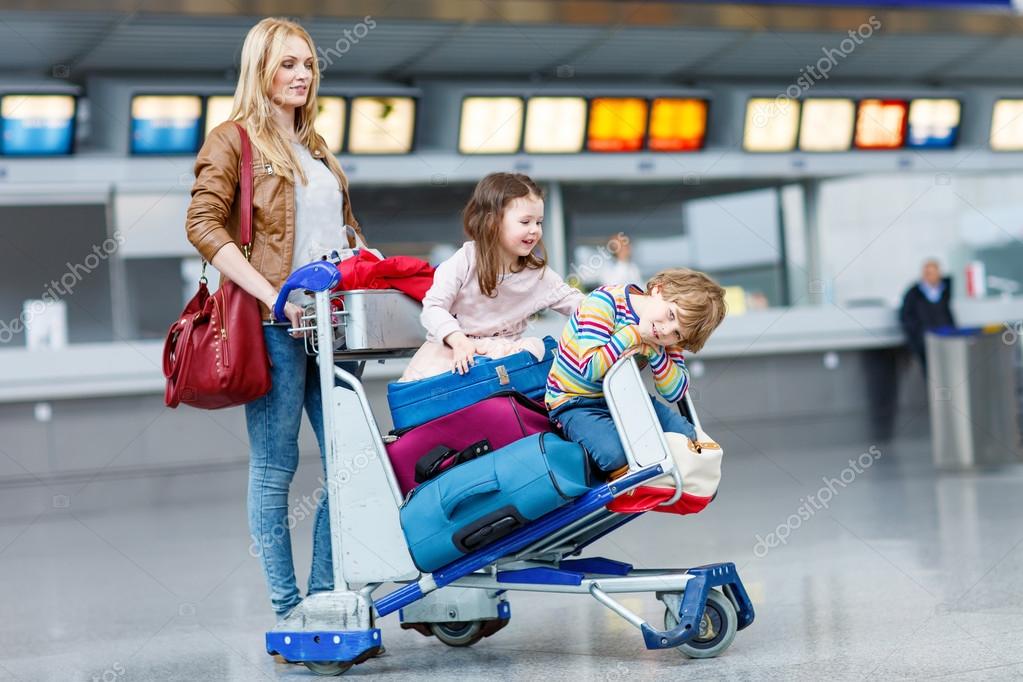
x,y
134,367
93,406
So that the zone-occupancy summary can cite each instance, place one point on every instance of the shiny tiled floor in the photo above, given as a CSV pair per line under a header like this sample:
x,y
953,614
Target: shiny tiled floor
x,y
904,574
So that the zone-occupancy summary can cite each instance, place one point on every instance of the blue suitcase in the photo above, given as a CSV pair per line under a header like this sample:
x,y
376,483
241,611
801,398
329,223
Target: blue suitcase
x,y
416,402
476,503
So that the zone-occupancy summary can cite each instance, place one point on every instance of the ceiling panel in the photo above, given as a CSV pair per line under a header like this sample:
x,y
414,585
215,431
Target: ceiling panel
x,y
1003,61
902,56
506,49
772,54
652,52
35,41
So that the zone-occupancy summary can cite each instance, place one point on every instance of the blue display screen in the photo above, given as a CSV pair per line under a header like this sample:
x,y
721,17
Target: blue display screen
x,y
166,124
37,125
164,136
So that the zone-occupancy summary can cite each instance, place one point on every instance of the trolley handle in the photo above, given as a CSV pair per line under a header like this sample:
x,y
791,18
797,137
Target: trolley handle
x,y
316,276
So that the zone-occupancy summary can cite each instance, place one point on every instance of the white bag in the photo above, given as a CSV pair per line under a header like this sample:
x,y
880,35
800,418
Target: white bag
x,y
698,462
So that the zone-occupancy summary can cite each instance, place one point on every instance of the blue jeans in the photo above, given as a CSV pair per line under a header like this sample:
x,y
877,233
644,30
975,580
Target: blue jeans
x,y
273,423
588,421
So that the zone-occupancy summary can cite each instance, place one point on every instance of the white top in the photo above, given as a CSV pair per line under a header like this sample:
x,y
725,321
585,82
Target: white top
x,y
621,272
456,303
319,222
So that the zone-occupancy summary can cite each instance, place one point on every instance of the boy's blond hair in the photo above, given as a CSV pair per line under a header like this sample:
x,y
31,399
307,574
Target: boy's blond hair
x,y
701,299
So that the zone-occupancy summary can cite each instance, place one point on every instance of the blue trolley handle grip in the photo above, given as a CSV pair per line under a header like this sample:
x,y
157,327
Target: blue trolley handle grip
x,y
316,276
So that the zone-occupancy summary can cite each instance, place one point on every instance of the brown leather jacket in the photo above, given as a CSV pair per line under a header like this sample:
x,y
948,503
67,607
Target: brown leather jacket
x,y
212,219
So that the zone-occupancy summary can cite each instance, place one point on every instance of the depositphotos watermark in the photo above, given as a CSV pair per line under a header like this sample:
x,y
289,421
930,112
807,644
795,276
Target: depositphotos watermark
x,y
307,506
811,74
349,39
811,504
59,288
581,273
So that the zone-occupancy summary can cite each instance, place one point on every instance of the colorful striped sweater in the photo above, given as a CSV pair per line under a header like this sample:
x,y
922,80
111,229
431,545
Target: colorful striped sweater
x,y
600,330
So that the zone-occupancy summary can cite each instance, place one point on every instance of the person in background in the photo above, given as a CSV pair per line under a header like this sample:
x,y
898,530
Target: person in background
x,y
926,306
621,270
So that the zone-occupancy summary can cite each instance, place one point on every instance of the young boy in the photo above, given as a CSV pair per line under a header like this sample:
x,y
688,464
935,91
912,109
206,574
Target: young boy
x,y
680,309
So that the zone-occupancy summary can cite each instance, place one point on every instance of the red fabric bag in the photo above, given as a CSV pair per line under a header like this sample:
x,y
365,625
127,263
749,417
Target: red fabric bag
x,y
365,270
215,354
649,498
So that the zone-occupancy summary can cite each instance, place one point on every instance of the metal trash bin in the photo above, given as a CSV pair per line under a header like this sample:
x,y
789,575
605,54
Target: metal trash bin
x,y
972,395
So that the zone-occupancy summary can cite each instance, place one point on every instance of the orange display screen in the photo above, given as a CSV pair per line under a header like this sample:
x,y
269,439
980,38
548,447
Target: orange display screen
x,y
677,125
617,124
881,124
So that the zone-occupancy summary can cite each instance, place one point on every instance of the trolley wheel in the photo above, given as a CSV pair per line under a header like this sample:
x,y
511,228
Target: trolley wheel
x,y
328,668
461,633
717,629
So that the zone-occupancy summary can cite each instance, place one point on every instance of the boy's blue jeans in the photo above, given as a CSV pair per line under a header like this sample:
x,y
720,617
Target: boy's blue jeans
x,y
273,423
588,421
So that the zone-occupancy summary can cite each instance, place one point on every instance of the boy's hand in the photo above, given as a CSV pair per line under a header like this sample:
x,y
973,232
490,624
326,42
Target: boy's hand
x,y
634,350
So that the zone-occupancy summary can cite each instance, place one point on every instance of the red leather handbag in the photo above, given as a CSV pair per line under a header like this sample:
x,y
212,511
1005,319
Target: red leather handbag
x,y
215,355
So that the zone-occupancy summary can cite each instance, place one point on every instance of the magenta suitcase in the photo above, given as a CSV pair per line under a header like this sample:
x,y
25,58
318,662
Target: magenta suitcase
x,y
501,419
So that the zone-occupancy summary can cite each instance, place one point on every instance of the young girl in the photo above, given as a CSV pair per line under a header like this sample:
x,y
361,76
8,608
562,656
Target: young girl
x,y
483,296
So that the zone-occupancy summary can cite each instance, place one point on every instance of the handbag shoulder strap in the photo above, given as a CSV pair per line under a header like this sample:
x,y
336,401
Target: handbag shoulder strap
x,y
245,180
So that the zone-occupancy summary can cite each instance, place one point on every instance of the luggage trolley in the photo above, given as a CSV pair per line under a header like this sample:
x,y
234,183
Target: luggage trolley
x,y
337,629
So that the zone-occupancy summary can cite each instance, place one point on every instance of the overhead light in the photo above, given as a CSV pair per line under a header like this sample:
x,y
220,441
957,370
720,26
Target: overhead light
x,y
382,125
677,124
555,125
1007,125
827,125
165,124
491,125
933,123
617,124
37,125
881,124
771,124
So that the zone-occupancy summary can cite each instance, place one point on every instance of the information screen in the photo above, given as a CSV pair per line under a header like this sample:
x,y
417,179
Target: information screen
x,y
771,124
881,124
827,125
37,125
491,125
933,123
165,124
617,124
677,124
555,125
1007,125
382,125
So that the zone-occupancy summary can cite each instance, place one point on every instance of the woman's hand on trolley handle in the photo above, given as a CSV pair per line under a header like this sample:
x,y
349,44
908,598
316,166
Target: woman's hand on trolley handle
x,y
292,312
230,261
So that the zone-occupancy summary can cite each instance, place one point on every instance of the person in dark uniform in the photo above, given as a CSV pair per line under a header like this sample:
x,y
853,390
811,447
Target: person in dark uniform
x,y
926,305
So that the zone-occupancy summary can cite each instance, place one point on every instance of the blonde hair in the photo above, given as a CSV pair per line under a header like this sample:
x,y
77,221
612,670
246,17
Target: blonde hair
x,y
253,105
701,299
482,220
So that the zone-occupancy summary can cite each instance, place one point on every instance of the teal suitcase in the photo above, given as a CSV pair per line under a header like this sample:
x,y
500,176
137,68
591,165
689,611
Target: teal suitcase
x,y
476,503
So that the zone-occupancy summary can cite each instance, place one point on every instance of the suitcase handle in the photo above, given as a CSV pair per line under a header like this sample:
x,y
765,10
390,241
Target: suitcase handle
x,y
450,502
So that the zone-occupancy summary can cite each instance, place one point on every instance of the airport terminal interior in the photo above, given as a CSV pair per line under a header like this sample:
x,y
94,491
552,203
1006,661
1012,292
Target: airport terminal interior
x,y
836,167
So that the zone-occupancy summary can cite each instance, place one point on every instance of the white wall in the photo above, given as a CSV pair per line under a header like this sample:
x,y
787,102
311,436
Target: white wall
x,y
877,230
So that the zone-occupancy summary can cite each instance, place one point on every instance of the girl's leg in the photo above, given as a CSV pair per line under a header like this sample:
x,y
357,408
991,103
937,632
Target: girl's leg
x,y
273,422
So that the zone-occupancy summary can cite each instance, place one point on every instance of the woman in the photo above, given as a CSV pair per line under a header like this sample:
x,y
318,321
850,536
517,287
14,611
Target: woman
x,y
300,209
